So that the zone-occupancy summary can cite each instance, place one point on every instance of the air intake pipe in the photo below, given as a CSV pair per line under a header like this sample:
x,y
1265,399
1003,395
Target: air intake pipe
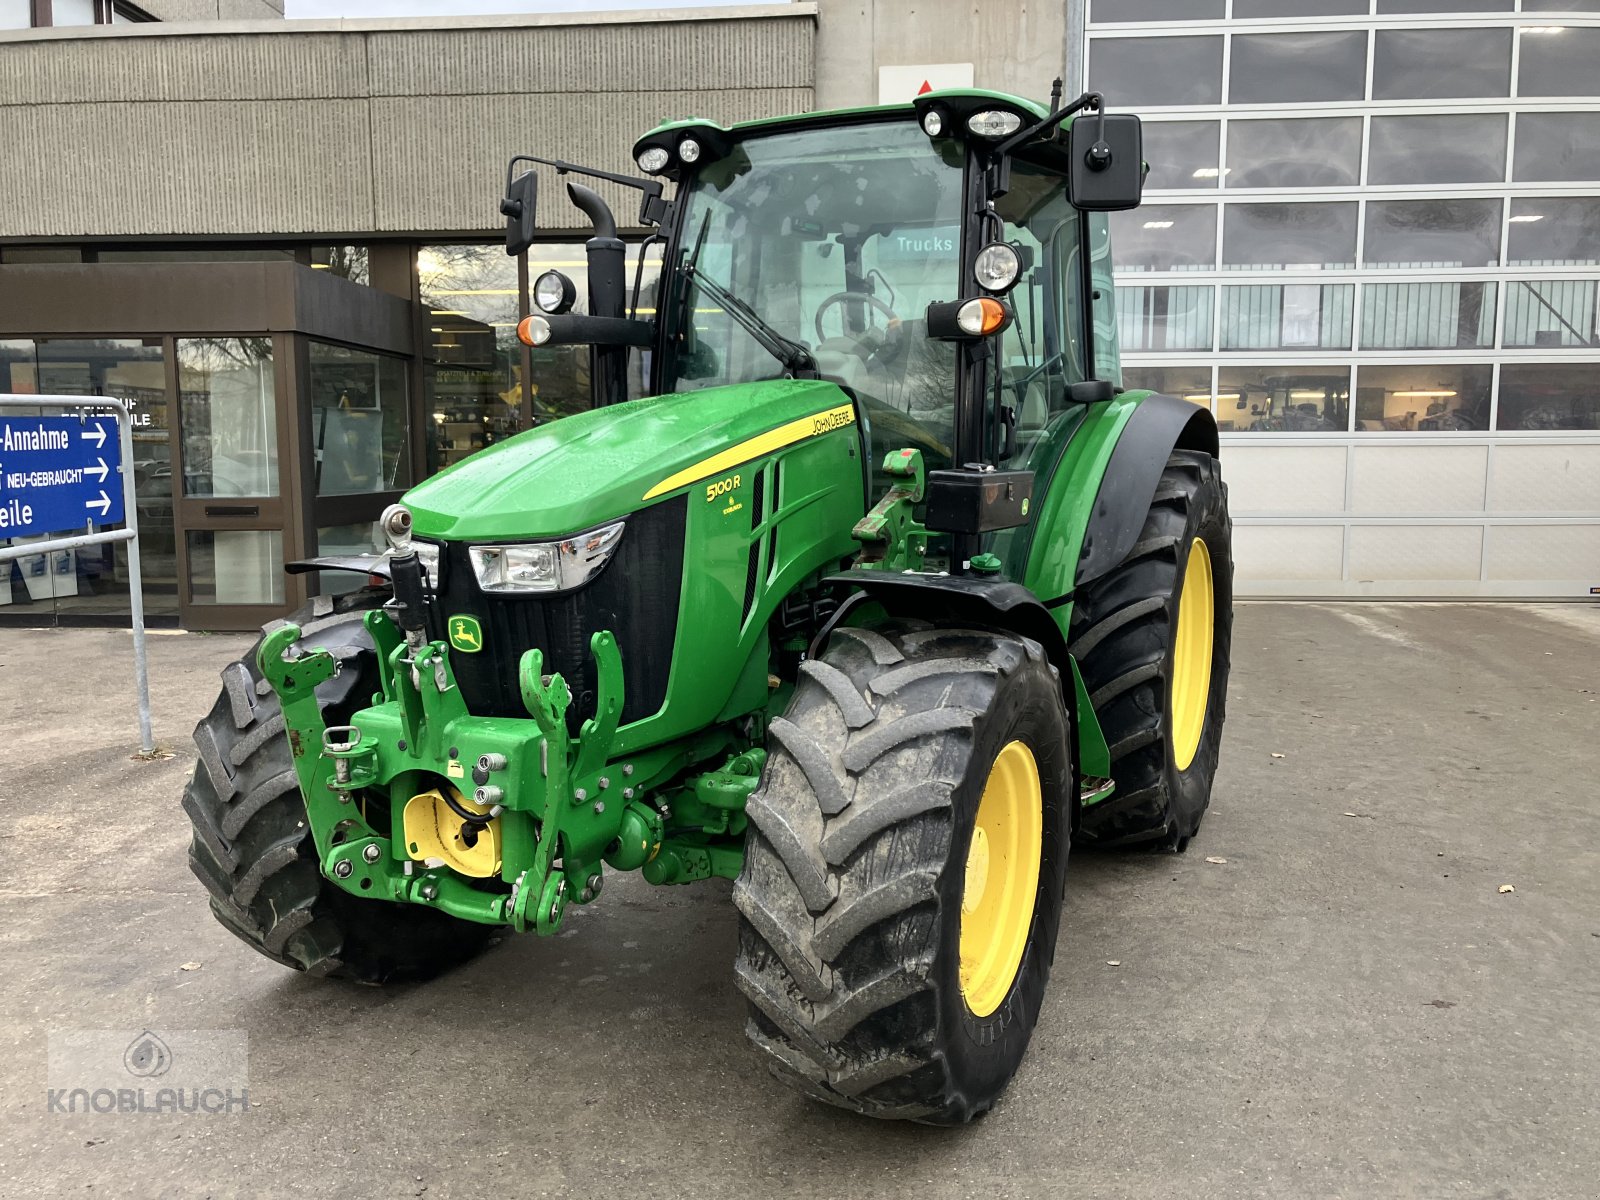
x,y
608,293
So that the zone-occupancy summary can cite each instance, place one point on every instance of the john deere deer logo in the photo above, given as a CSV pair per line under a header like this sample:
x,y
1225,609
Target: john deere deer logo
x,y
466,634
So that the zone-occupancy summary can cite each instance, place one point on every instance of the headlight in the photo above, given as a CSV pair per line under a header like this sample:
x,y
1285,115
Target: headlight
x,y
652,159
554,292
997,266
545,566
428,558
689,150
994,123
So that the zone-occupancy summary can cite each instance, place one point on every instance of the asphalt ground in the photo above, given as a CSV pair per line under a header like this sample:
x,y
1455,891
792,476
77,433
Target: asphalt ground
x,y
1349,1005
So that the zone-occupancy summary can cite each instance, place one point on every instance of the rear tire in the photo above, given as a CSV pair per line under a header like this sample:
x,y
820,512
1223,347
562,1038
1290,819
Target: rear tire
x,y
252,845
1125,638
860,858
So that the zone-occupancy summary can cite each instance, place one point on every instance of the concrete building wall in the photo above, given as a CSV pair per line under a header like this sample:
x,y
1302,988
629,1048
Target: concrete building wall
x,y
361,127
213,10
1019,46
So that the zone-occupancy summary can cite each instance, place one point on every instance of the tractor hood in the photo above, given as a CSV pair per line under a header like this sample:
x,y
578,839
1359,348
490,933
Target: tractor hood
x,y
592,467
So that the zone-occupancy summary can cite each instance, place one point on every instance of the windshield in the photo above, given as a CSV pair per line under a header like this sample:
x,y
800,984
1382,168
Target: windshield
x,y
837,239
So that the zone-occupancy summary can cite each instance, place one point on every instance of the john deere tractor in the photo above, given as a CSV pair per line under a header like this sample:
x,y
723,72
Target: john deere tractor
x,y
883,595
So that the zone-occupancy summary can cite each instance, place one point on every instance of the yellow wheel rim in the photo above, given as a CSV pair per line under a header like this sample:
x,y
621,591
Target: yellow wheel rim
x,y
1191,656
1002,879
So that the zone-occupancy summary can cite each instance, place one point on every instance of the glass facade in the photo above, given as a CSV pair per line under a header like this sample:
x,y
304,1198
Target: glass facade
x,y
1370,243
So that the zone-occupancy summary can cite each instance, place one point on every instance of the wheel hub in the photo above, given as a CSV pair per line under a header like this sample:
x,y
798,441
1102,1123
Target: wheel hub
x,y
1191,656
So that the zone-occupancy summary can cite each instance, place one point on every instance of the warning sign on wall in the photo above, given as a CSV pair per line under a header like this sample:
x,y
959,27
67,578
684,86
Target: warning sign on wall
x,y
899,85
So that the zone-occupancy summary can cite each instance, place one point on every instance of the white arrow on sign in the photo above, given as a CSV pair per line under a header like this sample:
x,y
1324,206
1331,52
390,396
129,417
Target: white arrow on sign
x,y
95,434
99,472
103,504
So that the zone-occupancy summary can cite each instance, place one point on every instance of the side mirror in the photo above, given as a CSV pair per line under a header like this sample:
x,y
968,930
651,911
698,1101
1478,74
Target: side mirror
x,y
518,208
1107,154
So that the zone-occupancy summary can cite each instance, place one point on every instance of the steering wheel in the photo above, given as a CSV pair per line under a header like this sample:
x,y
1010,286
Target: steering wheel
x,y
845,297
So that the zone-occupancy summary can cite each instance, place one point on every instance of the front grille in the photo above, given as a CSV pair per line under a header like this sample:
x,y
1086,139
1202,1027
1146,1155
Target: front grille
x,y
635,595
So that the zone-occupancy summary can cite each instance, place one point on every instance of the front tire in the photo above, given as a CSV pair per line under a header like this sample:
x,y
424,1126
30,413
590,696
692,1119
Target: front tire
x,y
252,846
1152,639
903,873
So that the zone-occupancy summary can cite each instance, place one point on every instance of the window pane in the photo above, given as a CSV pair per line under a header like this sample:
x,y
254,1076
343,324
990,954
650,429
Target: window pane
x,y
235,566
16,14
1299,236
1103,298
1298,8
1280,399
472,383
1187,383
1151,71
360,427
1558,60
188,254
1278,68
1427,316
1551,232
1181,154
1320,152
1412,64
1460,148
1165,237
1442,6
16,255
1552,312
1427,398
1557,147
1433,233
1269,316
347,262
229,419
1101,11
1156,318
1529,6
72,12
1548,396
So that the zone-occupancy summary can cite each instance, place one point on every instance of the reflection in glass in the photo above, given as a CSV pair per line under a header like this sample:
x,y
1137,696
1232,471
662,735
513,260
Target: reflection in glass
x,y
242,566
1103,11
1548,396
1164,317
72,12
1314,152
1557,60
1279,399
1386,7
16,14
1147,72
1181,154
1271,316
1243,9
1432,233
472,380
1438,148
347,262
1287,68
1418,64
1187,383
1557,148
360,433
1552,312
1290,236
1424,398
228,417
361,537
1165,237
1554,232
1427,316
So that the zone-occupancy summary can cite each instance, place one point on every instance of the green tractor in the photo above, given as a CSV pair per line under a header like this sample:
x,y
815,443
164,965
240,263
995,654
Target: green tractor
x,y
882,596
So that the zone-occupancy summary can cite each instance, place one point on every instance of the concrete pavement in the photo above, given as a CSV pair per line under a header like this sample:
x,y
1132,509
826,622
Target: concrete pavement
x,y
1348,1006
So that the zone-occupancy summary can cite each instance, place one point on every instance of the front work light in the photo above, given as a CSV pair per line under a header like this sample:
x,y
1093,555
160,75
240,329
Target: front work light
x,y
545,566
933,122
994,123
981,317
533,330
689,150
553,292
997,267
653,159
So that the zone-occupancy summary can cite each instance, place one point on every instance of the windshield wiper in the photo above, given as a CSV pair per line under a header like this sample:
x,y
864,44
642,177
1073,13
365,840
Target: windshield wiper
x,y
792,355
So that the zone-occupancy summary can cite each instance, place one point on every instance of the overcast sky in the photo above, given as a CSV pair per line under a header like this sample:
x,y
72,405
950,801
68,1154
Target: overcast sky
x,y
312,9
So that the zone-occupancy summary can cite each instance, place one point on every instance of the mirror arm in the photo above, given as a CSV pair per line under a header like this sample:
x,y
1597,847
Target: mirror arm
x,y
999,182
652,208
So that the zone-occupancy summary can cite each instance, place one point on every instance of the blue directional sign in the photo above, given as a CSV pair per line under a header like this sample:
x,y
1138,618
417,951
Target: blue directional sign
x,y
57,473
